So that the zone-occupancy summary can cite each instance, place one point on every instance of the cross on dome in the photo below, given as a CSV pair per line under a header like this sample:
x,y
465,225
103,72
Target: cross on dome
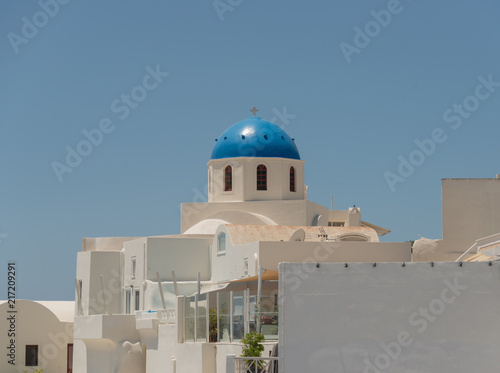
x,y
254,110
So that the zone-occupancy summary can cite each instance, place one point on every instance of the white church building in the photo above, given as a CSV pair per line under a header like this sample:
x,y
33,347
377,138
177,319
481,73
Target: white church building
x,y
319,285
226,256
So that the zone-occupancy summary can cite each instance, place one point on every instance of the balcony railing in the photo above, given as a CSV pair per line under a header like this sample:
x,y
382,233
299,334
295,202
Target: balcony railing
x,y
252,364
167,316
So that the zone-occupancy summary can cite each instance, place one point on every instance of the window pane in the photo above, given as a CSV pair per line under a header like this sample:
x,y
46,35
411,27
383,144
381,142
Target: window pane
x,y
238,315
128,299
201,319
189,310
221,243
228,179
70,357
292,179
261,177
31,355
137,300
224,323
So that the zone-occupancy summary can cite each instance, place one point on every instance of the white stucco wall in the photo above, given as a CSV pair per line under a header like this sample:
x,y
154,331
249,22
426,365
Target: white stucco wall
x,y
273,253
134,250
389,318
230,265
185,256
190,357
107,344
90,266
245,179
268,254
471,208
104,243
470,211
285,212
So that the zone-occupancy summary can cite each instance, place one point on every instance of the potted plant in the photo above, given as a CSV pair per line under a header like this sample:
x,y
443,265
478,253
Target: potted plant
x,y
253,347
212,325
214,332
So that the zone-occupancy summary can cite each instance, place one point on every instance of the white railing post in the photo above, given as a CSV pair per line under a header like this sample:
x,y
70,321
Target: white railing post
x,y
218,323
246,312
466,251
161,290
196,317
207,316
259,296
231,316
230,363
180,319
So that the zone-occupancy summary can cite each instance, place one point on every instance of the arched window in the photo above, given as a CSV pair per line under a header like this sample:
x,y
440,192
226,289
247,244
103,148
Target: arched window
x,y
292,179
228,179
221,243
354,237
261,177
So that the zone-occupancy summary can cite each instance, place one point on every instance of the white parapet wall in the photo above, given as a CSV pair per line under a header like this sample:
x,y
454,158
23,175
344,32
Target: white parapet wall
x,y
390,317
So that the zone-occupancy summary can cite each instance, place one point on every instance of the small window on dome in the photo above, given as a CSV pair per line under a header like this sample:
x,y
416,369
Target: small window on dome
x,y
228,179
292,179
261,177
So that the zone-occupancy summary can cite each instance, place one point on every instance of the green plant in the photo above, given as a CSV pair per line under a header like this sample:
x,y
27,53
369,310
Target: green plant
x,y
213,331
276,315
253,347
212,324
411,244
35,371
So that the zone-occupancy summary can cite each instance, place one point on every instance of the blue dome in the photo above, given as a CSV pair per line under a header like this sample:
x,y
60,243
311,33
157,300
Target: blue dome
x,y
255,137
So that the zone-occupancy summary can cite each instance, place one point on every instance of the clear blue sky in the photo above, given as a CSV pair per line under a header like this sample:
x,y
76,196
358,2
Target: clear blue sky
x,y
355,112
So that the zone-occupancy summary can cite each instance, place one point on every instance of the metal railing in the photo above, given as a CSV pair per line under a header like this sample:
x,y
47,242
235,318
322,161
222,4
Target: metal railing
x,y
255,365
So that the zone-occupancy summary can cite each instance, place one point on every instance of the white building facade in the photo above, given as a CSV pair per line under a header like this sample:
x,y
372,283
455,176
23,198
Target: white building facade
x,y
255,251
